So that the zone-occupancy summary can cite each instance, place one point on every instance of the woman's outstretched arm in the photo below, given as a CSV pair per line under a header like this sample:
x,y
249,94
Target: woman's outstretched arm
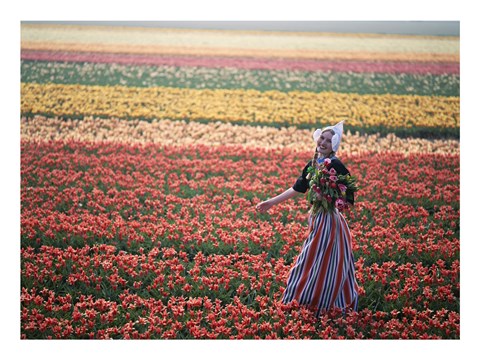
x,y
267,204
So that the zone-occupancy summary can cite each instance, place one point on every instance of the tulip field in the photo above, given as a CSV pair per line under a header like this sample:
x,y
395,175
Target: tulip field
x,y
144,152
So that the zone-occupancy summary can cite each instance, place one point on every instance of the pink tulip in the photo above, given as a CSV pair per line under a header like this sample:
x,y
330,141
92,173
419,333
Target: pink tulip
x,y
247,63
340,204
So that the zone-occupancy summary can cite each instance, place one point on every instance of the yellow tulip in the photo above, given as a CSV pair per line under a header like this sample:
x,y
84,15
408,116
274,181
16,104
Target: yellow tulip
x,y
248,106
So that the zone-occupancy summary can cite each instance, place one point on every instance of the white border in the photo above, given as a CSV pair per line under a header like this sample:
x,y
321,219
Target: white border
x,y
220,11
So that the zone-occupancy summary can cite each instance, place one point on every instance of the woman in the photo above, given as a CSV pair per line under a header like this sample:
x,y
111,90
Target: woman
x,y
323,276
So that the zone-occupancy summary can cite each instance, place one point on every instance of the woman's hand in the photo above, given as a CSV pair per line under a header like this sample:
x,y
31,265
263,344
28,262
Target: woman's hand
x,y
267,204
264,206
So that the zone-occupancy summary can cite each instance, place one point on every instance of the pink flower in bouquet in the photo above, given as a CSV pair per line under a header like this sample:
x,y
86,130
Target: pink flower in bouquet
x,y
326,186
340,204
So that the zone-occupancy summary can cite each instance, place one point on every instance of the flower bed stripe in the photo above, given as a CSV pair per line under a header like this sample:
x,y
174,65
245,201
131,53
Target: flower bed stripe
x,y
142,30
234,52
234,78
246,63
181,133
111,246
322,42
249,106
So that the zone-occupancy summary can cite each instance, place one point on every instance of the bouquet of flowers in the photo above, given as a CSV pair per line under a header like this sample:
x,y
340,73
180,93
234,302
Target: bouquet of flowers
x,y
328,190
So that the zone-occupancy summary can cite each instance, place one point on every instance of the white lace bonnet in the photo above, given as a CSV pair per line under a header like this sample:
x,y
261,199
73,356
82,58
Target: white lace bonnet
x,y
337,129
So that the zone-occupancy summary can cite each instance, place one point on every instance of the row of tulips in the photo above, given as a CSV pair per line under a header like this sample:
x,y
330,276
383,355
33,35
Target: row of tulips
x,y
393,67
248,106
233,296
169,132
236,43
108,74
132,241
305,43
232,52
136,317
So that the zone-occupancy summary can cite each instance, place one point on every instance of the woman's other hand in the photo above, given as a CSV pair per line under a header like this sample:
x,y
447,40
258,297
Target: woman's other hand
x,y
264,206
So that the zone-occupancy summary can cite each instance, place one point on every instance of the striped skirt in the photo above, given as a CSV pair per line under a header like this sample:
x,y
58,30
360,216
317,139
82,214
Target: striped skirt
x,y
323,276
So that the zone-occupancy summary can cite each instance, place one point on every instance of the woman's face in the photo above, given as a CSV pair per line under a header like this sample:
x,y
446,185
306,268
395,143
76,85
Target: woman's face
x,y
324,143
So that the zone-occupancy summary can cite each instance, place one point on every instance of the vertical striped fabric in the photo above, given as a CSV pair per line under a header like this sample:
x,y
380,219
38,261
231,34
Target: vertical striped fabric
x,y
323,276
